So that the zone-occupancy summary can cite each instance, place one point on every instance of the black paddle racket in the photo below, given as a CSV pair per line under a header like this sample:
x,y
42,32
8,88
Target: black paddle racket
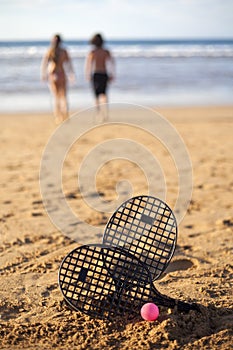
x,y
147,228
106,282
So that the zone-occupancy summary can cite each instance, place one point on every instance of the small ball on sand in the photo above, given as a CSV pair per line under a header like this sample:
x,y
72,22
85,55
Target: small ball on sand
x,y
150,312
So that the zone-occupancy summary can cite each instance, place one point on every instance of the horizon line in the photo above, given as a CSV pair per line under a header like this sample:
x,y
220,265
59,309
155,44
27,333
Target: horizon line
x,y
122,39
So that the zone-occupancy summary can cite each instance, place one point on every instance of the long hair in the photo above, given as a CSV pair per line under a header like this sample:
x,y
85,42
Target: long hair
x,y
55,46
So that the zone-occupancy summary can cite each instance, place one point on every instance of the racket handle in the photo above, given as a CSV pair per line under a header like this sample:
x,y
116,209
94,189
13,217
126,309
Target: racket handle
x,y
164,300
183,306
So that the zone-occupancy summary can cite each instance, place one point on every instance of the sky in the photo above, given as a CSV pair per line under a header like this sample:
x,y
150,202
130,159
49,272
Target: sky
x,y
80,19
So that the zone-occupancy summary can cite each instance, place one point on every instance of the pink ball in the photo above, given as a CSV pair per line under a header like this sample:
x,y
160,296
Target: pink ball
x,y
150,312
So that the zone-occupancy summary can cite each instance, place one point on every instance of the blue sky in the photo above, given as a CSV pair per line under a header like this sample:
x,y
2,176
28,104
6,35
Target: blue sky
x,y
79,19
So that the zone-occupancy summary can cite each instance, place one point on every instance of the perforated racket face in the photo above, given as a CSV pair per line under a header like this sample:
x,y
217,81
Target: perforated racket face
x,y
106,282
98,280
146,227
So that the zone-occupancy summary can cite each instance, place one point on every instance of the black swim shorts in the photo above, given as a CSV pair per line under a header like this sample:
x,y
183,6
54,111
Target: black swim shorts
x,y
100,81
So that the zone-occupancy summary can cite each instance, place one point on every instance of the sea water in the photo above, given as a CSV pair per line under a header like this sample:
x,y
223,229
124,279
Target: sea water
x,y
148,72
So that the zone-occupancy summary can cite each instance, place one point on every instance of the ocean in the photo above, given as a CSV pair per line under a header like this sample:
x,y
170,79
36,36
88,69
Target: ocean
x,y
148,72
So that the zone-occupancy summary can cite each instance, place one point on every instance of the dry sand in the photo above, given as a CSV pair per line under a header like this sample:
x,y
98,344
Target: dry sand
x,y
33,314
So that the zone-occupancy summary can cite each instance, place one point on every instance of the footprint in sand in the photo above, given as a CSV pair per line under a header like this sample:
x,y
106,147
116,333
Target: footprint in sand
x,y
37,202
49,289
7,202
36,213
177,265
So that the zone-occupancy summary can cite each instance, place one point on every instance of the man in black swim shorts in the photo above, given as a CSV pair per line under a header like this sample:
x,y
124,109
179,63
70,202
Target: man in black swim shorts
x,y
96,72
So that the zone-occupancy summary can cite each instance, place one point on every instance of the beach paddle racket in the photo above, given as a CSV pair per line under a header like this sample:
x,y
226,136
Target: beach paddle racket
x,y
146,227
106,282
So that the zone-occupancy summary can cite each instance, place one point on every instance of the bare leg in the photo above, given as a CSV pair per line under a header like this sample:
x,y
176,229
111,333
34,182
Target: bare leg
x,y
104,107
56,108
56,101
58,88
98,111
63,105
63,100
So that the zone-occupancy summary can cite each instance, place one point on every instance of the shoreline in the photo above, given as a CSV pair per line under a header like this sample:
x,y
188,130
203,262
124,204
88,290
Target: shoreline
x,y
125,104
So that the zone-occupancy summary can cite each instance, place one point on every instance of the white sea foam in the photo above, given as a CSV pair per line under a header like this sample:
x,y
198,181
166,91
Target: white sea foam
x,y
145,49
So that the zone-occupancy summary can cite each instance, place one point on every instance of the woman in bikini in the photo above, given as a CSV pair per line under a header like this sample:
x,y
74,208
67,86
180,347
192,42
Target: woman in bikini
x,y
99,69
54,65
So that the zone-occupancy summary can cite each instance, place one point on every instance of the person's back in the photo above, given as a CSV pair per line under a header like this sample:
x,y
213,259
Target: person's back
x,y
58,64
100,58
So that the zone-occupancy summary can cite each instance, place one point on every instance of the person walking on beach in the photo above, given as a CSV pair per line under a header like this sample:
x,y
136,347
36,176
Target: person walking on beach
x,y
53,68
99,69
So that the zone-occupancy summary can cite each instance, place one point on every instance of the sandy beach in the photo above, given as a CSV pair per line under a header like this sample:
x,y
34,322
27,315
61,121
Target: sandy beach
x,y
33,314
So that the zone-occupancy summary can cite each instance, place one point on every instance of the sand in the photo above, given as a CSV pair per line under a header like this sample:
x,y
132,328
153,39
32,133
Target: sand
x,y
33,314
